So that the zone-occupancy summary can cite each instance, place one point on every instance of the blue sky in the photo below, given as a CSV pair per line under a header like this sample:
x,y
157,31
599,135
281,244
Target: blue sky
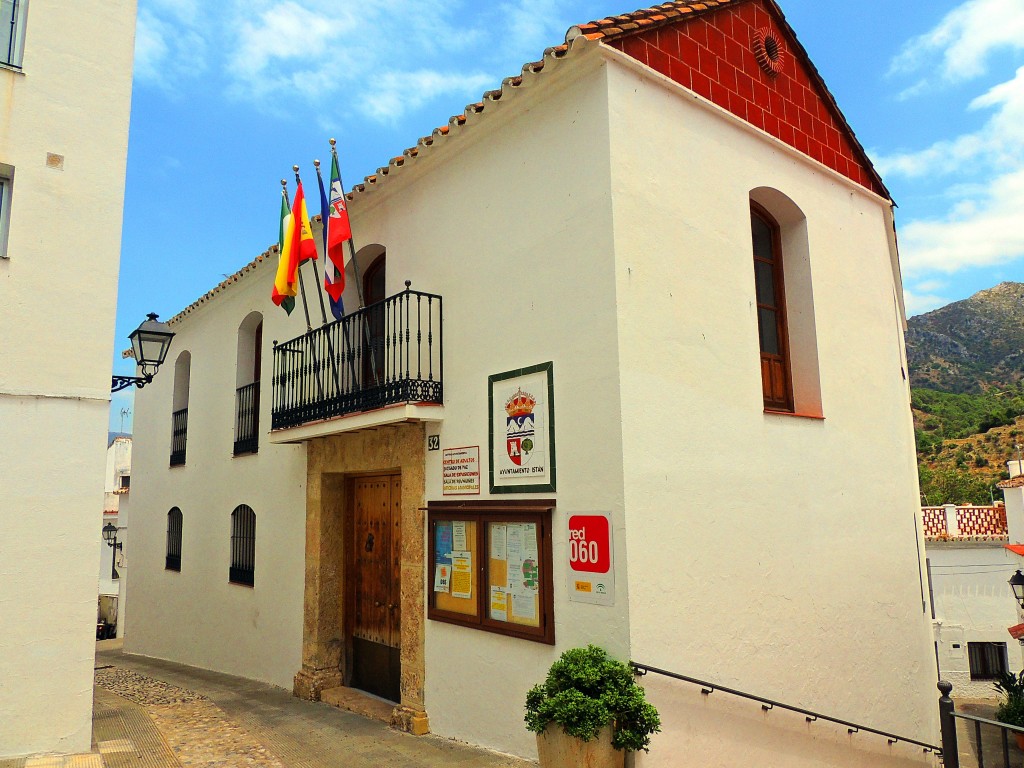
x,y
229,95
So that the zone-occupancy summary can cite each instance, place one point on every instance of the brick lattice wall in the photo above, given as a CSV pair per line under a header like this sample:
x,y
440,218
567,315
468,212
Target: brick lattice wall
x,y
713,56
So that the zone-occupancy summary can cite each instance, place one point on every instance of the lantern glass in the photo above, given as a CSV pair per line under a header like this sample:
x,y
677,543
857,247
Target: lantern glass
x,y
150,342
109,533
1017,585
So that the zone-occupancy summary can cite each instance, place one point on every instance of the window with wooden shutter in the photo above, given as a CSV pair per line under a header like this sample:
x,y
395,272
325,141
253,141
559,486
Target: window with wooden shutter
x,y
771,311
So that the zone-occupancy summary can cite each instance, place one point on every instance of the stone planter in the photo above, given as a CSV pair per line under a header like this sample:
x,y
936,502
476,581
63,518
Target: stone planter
x,y
557,750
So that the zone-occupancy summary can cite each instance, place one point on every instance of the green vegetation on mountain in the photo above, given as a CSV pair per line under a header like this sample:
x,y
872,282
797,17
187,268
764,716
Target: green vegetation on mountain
x,y
967,379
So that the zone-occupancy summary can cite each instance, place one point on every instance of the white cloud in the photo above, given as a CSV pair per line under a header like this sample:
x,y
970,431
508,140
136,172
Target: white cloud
x,y
964,39
392,94
982,224
165,51
919,303
989,234
999,142
381,57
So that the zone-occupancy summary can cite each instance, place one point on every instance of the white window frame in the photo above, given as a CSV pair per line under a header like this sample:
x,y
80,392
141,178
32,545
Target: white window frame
x,y
12,57
6,187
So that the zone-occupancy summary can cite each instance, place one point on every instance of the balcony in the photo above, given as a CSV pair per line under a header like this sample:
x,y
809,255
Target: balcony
x,y
386,354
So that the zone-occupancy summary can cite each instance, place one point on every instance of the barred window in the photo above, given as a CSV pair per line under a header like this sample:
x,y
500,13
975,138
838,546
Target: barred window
x,y
243,546
987,660
173,560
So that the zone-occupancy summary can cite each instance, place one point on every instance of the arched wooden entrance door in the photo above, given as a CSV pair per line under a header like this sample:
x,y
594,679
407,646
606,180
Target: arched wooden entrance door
x,y
373,340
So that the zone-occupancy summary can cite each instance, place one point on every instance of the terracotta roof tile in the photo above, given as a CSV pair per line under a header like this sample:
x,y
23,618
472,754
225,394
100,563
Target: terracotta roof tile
x,y
1013,482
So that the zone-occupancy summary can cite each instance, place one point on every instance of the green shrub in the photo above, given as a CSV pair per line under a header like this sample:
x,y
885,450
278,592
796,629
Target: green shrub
x,y
586,690
1011,709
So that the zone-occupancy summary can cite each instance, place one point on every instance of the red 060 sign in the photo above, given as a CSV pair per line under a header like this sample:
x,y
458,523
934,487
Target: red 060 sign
x,y
589,544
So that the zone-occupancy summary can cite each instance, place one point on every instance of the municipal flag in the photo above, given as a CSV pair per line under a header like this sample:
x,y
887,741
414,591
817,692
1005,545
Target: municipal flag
x,y
337,230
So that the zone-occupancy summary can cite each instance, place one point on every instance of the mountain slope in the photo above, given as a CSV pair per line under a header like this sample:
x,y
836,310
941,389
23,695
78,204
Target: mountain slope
x,y
975,345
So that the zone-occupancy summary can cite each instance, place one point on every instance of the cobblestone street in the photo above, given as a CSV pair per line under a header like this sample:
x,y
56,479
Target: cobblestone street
x,y
153,714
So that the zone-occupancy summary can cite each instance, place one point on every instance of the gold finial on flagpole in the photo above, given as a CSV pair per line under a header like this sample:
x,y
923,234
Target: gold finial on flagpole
x,y
333,142
317,164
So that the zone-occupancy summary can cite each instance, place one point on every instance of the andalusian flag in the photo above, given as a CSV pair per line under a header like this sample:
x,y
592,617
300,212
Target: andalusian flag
x,y
283,293
337,230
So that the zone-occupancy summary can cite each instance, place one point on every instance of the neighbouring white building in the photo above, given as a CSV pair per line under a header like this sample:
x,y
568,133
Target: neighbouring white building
x,y
66,72
117,485
970,557
625,319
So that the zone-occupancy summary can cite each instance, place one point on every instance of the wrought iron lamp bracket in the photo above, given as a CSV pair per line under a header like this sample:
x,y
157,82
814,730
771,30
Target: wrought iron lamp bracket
x,y
117,383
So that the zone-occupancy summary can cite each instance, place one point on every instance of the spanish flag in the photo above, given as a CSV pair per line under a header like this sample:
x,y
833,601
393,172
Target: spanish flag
x,y
302,234
283,293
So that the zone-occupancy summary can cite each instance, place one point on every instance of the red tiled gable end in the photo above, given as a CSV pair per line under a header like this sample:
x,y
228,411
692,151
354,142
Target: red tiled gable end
x,y
708,48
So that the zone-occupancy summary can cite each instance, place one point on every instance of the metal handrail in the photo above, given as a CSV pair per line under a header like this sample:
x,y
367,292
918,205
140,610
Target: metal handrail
x,y
766,704
975,718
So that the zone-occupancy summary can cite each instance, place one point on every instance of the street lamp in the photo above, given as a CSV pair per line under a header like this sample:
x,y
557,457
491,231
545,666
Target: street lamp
x,y
150,342
110,536
1017,585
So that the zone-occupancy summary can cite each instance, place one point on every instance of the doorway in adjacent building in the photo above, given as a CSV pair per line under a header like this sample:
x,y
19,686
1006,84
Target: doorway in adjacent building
x,y
374,597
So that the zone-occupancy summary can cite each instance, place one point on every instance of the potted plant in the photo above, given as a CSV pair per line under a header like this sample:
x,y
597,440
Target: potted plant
x,y
1011,709
589,711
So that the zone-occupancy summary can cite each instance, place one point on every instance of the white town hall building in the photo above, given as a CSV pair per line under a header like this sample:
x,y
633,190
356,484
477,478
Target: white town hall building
x,y
647,292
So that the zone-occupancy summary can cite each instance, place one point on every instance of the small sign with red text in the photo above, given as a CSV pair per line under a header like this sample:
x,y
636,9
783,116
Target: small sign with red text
x,y
591,577
460,471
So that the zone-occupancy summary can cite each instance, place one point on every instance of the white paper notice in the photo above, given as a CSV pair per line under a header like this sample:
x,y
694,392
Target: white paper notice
x,y
442,578
524,606
459,535
462,575
499,604
514,547
497,541
530,541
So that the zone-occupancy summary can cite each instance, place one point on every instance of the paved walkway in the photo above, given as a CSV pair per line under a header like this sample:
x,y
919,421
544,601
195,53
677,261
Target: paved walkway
x,y
155,714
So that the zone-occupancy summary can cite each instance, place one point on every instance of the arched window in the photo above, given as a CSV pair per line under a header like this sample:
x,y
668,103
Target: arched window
x,y
771,310
173,560
790,381
243,546
247,384
375,317
179,408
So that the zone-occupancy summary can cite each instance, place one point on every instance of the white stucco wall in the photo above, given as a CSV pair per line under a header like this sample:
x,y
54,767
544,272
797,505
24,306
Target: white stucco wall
x,y
196,616
973,603
753,559
773,554
510,221
72,101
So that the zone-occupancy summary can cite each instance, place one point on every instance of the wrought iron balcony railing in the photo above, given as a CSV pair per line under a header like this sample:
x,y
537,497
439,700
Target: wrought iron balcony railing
x,y
179,436
384,354
247,419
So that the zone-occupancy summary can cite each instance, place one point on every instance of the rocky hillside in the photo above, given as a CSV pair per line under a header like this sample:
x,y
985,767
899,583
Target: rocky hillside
x,y
975,345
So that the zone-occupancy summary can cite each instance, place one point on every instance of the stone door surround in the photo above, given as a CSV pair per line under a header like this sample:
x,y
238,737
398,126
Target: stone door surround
x,y
330,462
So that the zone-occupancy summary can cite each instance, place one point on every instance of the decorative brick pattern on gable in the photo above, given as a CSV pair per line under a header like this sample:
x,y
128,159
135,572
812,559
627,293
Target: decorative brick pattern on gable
x,y
981,521
934,521
712,54
984,523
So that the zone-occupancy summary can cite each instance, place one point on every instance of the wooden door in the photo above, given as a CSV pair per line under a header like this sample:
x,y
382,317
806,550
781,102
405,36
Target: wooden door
x,y
376,579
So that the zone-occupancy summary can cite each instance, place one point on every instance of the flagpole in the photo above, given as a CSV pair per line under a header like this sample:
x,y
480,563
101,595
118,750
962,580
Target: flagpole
x,y
328,264
316,272
355,270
